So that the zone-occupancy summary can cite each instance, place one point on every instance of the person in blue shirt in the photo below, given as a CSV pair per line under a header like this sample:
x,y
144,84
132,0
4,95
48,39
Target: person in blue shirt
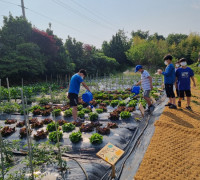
x,y
177,66
74,88
169,80
183,76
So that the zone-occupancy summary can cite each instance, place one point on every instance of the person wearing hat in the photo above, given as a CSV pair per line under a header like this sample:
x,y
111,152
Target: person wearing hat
x,y
146,82
183,76
74,88
169,80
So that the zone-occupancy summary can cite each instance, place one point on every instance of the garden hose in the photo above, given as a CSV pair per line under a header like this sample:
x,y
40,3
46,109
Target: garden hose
x,y
80,167
127,155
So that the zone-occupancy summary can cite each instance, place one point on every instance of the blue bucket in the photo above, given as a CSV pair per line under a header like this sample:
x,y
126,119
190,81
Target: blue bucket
x,y
135,90
87,97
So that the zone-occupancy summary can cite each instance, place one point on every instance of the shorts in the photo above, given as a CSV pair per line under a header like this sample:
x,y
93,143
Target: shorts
x,y
73,99
146,93
169,90
187,93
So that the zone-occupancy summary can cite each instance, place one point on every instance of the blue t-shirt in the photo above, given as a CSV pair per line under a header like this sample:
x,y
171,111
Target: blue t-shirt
x,y
169,74
75,83
183,76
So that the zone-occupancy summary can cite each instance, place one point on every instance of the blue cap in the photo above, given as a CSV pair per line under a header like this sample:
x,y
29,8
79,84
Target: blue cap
x,y
137,68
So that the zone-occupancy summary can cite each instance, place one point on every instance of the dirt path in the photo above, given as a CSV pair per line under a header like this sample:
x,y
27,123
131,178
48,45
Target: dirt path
x,y
174,151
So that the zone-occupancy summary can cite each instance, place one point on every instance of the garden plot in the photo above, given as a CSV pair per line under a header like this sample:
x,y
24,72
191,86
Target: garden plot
x,y
114,119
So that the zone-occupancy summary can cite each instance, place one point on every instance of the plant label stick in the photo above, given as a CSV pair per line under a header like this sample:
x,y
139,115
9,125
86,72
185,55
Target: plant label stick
x,y
153,100
141,109
111,154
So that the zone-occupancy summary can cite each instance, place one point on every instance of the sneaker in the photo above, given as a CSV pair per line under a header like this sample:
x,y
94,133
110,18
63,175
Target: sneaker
x,y
147,110
151,108
179,103
169,104
189,108
172,106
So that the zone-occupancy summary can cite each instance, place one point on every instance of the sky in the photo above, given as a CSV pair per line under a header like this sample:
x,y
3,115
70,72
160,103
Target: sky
x,y
94,21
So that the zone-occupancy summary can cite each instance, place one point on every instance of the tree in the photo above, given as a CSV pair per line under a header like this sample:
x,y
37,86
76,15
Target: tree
x,y
26,61
175,38
149,53
141,34
117,47
75,51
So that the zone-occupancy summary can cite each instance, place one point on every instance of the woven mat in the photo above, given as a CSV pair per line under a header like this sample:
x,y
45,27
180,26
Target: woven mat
x,y
174,151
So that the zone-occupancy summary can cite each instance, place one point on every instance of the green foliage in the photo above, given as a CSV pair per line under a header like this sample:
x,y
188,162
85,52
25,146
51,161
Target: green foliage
x,y
132,103
114,103
99,111
52,126
122,103
9,107
86,110
117,47
67,127
96,139
68,113
80,107
44,101
53,136
143,102
75,137
81,114
107,102
37,107
125,115
56,112
93,116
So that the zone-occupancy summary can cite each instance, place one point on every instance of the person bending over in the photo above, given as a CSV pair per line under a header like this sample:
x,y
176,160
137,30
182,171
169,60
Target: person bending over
x,y
74,88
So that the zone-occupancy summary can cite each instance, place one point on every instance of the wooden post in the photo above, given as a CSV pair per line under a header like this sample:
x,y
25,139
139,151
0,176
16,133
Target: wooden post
x,y
28,132
8,89
2,163
22,83
113,171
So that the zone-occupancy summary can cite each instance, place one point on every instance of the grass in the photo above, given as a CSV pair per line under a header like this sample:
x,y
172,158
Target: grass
x,y
197,78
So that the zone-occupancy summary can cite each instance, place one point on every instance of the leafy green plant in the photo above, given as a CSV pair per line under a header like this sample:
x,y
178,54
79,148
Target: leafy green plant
x,y
80,107
44,101
67,127
93,116
132,103
143,102
81,114
98,101
107,102
52,126
75,137
99,111
56,112
9,107
125,115
68,113
96,138
37,107
122,103
53,136
114,103
86,110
